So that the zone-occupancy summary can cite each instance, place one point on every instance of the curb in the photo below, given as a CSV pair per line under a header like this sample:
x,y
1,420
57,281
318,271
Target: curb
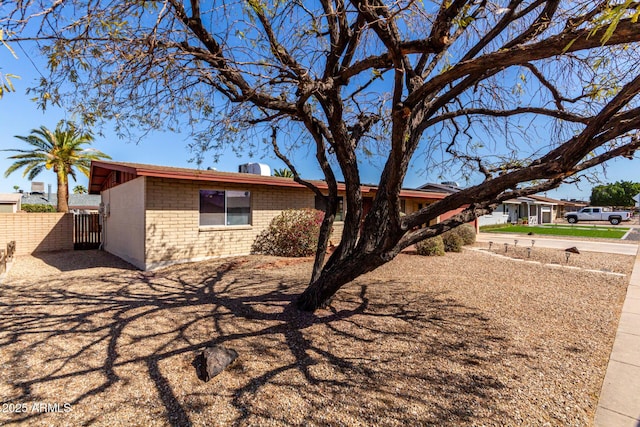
x,y
619,401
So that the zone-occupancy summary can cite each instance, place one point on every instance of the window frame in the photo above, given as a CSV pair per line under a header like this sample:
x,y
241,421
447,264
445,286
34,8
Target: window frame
x,y
225,224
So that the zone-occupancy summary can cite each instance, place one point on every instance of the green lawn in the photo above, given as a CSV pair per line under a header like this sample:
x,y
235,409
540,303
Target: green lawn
x,y
563,230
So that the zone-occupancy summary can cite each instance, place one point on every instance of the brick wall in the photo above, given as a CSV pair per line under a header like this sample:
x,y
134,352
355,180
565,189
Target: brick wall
x,y
37,232
172,220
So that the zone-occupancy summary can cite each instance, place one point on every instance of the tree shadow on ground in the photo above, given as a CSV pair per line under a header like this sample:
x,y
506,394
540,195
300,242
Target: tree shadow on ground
x,y
81,260
122,345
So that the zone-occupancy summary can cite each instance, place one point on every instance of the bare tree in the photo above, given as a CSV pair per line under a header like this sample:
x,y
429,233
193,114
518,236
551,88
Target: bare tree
x,y
525,94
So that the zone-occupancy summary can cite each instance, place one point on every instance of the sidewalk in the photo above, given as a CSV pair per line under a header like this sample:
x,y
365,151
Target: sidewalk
x,y
619,404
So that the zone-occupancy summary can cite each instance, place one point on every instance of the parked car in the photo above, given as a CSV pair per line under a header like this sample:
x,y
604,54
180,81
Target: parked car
x,y
597,213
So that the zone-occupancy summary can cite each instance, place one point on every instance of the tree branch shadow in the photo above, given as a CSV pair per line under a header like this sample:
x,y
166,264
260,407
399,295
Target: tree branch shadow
x,y
116,328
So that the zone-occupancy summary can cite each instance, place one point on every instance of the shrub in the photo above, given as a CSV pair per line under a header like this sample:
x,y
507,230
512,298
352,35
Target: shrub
x,y
452,241
467,233
293,233
38,208
433,246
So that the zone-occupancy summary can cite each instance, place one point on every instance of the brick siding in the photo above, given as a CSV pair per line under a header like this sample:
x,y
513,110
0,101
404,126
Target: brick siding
x,y
173,233
37,232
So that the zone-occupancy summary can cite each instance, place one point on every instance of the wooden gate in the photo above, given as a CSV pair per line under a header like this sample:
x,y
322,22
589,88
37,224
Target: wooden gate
x,y
86,231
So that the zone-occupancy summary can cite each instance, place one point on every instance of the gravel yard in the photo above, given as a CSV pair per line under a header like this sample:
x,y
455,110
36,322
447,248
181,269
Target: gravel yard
x,y
465,339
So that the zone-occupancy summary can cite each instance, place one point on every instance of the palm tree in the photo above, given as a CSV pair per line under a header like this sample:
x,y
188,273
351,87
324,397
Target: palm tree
x,y
79,189
284,173
60,150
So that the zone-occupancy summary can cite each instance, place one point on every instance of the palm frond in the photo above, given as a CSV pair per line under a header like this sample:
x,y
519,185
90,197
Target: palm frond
x,y
34,171
62,149
30,155
15,166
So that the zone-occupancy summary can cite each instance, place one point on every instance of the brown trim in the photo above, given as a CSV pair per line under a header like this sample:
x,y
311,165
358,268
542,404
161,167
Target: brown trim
x,y
100,171
417,194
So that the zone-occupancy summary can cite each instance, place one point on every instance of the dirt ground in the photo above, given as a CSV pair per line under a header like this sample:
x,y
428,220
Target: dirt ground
x,y
465,339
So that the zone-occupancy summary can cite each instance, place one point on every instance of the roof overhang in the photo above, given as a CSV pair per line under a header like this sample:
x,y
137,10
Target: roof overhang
x,y
100,171
12,198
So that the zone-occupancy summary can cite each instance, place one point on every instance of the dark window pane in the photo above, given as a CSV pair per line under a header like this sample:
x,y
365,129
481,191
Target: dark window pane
x,y
211,207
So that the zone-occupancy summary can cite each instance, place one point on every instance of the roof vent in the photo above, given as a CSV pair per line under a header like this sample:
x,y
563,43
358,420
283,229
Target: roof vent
x,y
37,187
450,183
255,169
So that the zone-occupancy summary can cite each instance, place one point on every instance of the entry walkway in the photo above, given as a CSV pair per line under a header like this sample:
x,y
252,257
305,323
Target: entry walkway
x,y
619,404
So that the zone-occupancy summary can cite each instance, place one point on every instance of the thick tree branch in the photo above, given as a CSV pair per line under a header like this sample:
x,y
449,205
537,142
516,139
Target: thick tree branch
x,y
573,41
563,115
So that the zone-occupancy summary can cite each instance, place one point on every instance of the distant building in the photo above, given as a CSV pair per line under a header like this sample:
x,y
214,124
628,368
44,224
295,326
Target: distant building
x,y
9,202
78,203
447,187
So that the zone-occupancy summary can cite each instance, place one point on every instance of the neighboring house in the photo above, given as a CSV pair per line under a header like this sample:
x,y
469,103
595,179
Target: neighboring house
x,y
543,209
10,202
155,215
573,205
445,187
78,203
531,209
499,216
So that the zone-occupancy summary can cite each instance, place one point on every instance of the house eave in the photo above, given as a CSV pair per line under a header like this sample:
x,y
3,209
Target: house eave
x,y
100,171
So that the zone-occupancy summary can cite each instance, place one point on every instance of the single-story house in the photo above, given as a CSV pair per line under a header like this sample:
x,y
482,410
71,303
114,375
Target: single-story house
x,y
154,216
573,205
531,209
10,202
78,203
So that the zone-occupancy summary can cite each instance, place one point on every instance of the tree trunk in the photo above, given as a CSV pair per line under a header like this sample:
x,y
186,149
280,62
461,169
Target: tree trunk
x,y
323,241
63,192
336,274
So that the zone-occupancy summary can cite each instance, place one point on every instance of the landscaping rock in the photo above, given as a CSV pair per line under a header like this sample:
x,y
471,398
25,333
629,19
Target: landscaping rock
x,y
215,360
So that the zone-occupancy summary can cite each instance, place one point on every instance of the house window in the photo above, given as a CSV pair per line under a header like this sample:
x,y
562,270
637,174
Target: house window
x,y
218,207
403,206
322,206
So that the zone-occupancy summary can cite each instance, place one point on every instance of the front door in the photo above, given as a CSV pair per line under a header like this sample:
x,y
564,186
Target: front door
x,y
512,210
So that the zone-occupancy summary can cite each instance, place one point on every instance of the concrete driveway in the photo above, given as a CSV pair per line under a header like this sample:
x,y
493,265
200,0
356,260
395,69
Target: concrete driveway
x,y
561,243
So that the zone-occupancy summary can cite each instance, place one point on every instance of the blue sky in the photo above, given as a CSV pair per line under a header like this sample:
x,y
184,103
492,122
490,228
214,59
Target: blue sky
x,y
18,115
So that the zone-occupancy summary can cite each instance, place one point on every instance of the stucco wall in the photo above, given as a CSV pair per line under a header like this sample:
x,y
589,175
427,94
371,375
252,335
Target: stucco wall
x,y
124,225
37,232
173,233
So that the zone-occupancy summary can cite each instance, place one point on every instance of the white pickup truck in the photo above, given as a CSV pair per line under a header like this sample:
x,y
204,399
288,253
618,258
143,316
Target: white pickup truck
x,y
595,213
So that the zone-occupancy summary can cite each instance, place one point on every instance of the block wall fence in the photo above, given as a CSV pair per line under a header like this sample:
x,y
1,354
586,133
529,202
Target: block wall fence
x,y
37,232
